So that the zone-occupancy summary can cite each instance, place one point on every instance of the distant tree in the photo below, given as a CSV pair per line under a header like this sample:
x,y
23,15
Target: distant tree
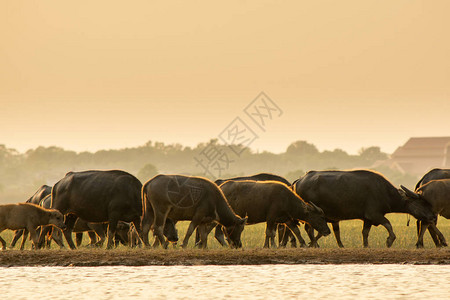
x,y
302,148
147,172
372,154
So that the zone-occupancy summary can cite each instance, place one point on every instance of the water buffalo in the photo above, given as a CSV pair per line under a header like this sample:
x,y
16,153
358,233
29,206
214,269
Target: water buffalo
x,y
358,194
28,216
274,203
37,197
437,193
256,177
283,233
434,174
98,197
192,198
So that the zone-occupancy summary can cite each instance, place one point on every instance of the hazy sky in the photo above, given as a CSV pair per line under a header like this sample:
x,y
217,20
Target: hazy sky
x,y
87,75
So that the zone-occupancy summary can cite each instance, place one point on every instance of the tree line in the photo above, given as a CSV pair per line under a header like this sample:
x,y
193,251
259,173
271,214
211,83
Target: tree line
x,y
22,173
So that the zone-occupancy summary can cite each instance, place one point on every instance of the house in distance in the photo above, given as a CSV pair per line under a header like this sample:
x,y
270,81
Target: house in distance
x,y
421,154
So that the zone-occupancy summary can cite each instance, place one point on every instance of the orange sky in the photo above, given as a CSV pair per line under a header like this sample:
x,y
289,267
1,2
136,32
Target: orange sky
x,y
88,75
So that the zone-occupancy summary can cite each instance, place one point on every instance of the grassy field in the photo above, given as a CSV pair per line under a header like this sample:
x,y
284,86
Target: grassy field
x,y
253,235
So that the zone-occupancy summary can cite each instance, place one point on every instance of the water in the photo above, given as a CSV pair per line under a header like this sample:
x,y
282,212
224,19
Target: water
x,y
228,282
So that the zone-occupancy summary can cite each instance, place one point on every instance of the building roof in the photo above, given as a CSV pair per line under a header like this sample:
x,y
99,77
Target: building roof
x,y
419,154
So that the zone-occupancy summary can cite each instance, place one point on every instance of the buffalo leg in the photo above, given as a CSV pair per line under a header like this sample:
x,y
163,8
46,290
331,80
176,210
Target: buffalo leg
x,y
418,225
436,235
197,236
48,237
158,230
134,239
43,237
24,238
293,229
34,235
38,232
146,225
285,235
422,229
140,234
208,227
337,234
439,236
313,239
437,241
205,227
145,232
70,222
2,241
282,238
391,238
365,233
99,229
220,236
189,232
92,238
17,235
111,232
156,243
203,231
293,240
78,238
419,244
57,237
270,235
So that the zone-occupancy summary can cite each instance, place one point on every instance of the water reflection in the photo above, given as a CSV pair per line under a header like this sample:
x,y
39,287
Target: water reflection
x,y
226,282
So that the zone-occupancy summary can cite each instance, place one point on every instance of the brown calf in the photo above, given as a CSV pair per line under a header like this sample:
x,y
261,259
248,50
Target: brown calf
x,y
28,216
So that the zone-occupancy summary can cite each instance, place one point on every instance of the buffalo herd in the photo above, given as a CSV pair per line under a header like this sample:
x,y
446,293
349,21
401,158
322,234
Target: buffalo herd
x,y
115,207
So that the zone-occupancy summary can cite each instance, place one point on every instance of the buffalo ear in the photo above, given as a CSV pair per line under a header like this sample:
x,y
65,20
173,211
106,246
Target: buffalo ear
x,y
410,193
244,221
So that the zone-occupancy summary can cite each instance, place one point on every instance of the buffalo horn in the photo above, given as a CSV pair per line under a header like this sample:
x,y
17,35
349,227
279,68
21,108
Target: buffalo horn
x,y
318,209
409,193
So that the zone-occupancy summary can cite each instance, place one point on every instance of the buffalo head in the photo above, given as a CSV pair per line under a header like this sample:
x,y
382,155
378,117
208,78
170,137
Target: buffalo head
x,y
416,206
170,231
316,218
233,233
57,219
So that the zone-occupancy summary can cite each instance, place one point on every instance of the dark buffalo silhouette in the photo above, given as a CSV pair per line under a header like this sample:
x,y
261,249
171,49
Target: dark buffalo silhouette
x,y
37,197
437,193
434,174
98,197
197,199
274,203
358,194
283,233
256,177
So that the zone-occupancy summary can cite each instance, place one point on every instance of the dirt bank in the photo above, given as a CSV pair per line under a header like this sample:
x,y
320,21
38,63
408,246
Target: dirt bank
x,y
145,257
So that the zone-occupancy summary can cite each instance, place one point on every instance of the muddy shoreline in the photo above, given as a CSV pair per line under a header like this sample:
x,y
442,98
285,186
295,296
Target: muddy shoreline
x,y
151,257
